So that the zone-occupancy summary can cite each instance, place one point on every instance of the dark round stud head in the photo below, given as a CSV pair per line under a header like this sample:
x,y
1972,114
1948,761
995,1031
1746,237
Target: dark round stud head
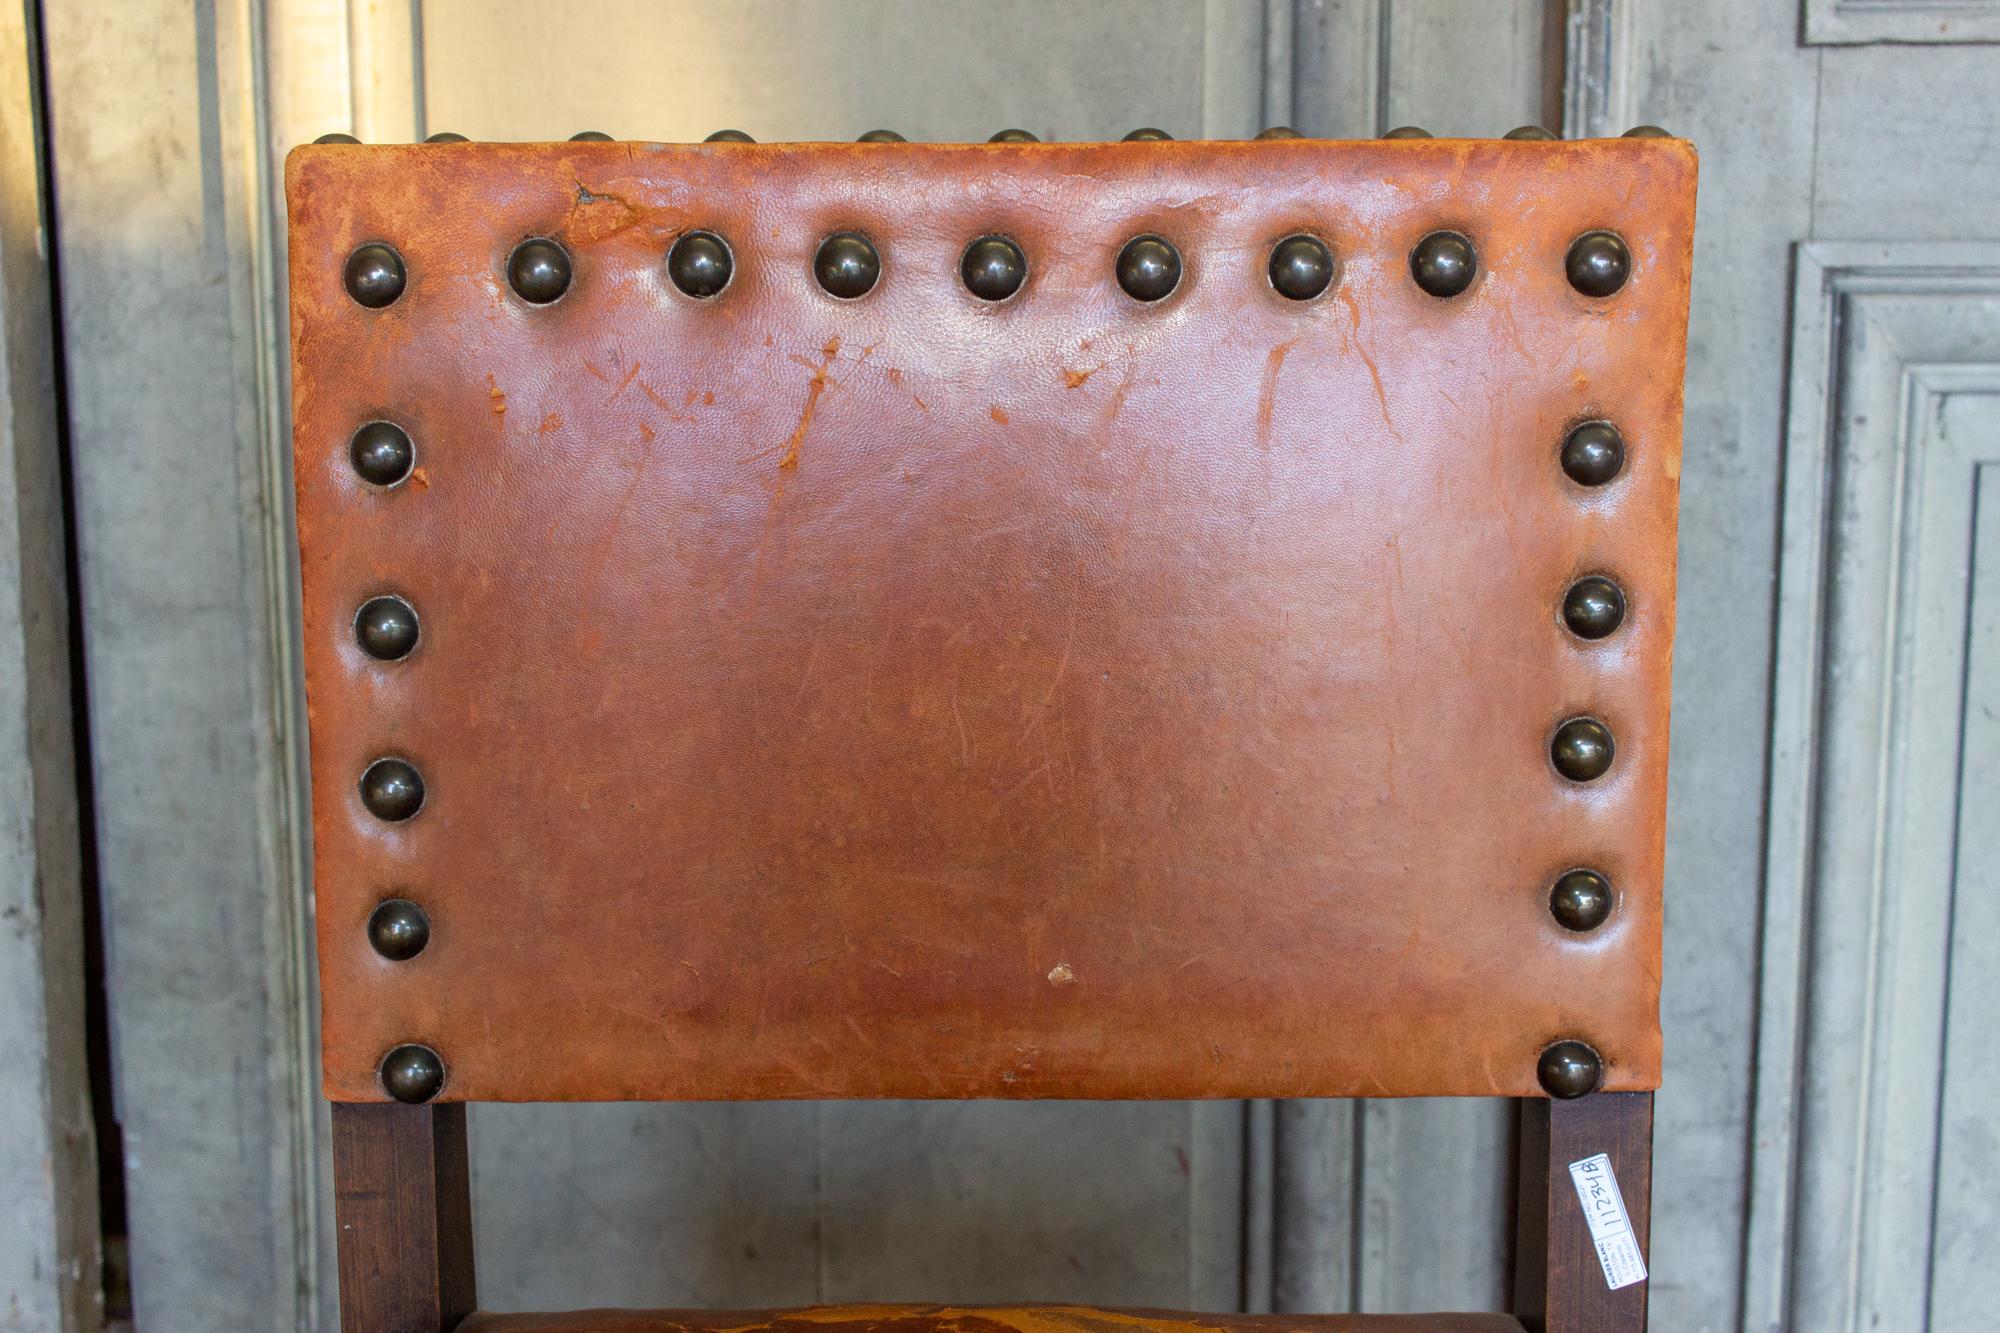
x,y
1407,132
993,268
881,136
392,789
446,136
1533,133
538,270
386,628
1301,267
381,453
1444,263
1598,263
1014,136
729,136
590,136
1647,132
1580,900
1279,132
336,137
700,264
1593,453
1569,1069
1593,607
398,930
1582,749
412,1074
1148,135
374,275
1149,268
847,265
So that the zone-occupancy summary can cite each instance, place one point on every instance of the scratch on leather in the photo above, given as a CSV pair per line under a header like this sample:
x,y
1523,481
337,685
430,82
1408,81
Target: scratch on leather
x,y
813,391
1267,397
1124,388
624,383
1354,341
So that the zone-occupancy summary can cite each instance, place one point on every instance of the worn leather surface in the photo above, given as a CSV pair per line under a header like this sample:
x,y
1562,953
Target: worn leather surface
x,y
973,1319
919,697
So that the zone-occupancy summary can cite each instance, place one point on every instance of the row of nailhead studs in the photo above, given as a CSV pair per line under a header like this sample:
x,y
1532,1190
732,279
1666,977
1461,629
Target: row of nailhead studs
x,y
414,1073
1582,750
387,629
1530,132
847,265
993,268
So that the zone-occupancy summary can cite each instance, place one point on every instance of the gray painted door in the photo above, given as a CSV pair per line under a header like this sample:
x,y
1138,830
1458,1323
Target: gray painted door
x,y
1824,1156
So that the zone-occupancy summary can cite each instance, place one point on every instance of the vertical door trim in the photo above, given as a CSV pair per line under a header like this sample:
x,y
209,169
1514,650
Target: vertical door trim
x,y
160,134
51,1260
1828,277
1597,61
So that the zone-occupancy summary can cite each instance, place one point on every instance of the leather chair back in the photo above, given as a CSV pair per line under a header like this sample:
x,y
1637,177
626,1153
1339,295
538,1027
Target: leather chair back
x,y
722,687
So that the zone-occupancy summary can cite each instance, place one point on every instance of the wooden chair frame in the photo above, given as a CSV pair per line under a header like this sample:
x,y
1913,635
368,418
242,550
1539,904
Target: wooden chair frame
x,y
1486,988
403,1211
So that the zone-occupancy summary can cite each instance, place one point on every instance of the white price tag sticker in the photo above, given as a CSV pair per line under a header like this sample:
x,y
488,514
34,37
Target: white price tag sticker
x,y
1610,1227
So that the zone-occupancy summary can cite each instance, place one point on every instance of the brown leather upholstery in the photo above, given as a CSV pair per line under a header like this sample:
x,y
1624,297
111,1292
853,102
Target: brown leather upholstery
x,y
974,1319
912,696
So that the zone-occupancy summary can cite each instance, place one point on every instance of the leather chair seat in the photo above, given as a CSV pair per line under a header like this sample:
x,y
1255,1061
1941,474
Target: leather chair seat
x,y
974,1319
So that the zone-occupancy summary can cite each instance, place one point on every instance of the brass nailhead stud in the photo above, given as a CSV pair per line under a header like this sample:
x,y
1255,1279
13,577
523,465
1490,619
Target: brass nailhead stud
x,y
1149,268
1582,749
374,275
1647,132
1407,132
1593,607
729,136
446,136
386,628
381,453
847,265
398,930
392,789
1593,453
1580,900
1534,133
1279,132
336,137
1598,263
1443,263
1569,1069
1147,135
590,136
881,136
1301,267
993,268
699,264
412,1074
538,270
1014,136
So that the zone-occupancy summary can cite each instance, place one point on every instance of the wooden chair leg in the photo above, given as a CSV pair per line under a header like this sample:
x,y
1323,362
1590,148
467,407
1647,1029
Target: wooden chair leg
x,y
403,1210
1559,1283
